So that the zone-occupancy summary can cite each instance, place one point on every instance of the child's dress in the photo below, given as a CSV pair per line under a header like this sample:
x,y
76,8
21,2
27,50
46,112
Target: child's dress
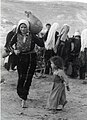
x,y
57,96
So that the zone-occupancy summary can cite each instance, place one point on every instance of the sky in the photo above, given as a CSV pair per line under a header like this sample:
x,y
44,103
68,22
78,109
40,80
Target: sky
x,y
84,1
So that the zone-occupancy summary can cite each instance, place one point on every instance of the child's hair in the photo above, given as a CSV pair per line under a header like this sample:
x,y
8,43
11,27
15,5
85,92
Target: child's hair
x,y
48,24
58,62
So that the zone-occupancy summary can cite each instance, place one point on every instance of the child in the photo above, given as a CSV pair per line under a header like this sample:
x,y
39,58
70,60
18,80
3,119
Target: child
x,y
57,96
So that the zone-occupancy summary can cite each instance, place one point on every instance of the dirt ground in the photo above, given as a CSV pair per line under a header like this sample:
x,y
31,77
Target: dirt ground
x,y
76,108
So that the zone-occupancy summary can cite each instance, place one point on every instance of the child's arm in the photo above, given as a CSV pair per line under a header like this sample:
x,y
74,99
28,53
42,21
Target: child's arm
x,y
64,76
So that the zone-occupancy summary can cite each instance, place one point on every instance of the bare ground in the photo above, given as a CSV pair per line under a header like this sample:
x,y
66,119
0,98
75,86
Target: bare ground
x,y
76,108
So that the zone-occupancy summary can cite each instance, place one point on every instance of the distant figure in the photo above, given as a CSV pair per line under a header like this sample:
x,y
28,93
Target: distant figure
x,y
50,41
12,59
61,41
10,35
82,69
26,57
48,25
58,96
84,45
47,53
74,53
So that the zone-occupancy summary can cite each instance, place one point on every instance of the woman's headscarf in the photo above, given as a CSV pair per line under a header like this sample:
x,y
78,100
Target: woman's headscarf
x,y
77,33
64,32
50,42
83,39
23,21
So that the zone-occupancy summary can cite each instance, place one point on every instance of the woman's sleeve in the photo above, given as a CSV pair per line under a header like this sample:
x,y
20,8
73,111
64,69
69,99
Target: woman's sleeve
x,y
38,41
12,42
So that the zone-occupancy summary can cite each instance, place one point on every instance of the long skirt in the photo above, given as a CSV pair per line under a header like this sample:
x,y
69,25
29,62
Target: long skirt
x,y
26,68
57,96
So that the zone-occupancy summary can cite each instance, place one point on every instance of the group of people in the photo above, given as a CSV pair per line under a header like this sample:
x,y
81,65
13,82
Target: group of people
x,y
60,52
69,48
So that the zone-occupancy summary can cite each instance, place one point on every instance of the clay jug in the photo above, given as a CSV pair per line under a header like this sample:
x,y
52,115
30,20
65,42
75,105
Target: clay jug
x,y
35,24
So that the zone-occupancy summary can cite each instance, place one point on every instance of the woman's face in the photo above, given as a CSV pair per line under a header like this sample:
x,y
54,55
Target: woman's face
x,y
23,28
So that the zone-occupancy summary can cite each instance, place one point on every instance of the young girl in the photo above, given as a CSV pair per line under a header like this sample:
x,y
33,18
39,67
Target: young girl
x,y
57,96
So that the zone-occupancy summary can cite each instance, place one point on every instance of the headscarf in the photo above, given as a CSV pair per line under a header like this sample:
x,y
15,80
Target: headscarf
x,y
23,21
83,39
64,32
27,24
77,33
50,42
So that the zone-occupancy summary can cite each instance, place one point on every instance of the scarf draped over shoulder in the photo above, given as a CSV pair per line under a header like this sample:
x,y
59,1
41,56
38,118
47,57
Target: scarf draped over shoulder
x,y
50,42
83,39
64,32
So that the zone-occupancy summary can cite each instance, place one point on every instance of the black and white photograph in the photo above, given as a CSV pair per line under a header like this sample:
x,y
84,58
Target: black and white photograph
x,y
43,60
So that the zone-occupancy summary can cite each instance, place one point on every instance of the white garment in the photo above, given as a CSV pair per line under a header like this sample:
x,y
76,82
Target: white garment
x,y
77,33
50,42
83,39
64,32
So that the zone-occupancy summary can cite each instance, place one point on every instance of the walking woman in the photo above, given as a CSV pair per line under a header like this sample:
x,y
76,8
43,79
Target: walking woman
x,y
26,57
61,42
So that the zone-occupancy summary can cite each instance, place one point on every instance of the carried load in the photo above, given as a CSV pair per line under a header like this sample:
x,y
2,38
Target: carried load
x,y
35,24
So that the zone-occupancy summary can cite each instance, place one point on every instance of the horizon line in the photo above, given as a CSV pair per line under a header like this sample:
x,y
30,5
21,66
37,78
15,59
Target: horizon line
x,y
80,1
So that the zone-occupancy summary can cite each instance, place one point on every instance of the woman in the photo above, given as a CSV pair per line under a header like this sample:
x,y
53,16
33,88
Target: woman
x,y
60,44
26,55
74,53
50,46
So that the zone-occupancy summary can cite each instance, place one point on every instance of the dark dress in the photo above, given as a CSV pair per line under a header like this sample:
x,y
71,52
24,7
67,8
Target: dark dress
x,y
73,58
57,96
82,69
26,61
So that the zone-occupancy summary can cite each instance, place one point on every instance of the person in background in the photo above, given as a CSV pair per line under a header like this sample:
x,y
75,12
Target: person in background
x,y
61,41
50,40
48,25
12,60
74,54
84,46
82,69
47,52
10,35
58,96
26,57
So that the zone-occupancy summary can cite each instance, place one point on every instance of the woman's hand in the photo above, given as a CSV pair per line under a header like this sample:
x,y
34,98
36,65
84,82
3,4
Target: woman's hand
x,y
16,52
